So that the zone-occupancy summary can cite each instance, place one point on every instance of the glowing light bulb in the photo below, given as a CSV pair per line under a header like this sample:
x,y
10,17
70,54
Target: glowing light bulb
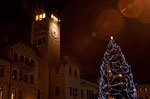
x,y
111,37
119,75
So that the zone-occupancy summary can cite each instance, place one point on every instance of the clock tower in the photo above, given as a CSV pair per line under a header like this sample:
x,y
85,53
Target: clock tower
x,y
45,37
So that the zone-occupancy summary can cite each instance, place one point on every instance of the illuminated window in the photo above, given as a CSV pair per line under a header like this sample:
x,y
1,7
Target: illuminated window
x,y
13,94
20,94
14,75
54,18
70,91
140,89
36,18
52,15
1,92
44,15
31,79
1,71
57,91
40,17
15,57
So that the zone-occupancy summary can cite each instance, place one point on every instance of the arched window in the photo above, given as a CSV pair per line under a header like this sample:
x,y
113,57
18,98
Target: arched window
x,y
27,60
31,79
26,77
14,75
20,75
15,57
76,73
57,91
1,92
38,95
20,94
32,62
70,70
13,93
22,58
81,93
70,91
57,70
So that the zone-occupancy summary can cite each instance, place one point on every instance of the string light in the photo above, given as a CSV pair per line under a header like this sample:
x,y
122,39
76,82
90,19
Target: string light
x,y
116,80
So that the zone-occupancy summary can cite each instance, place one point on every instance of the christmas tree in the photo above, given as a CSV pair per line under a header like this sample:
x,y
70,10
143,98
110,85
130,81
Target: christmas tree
x,y
116,77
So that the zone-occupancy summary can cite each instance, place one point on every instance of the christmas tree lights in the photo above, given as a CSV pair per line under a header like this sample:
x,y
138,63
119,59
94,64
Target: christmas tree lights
x,y
116,77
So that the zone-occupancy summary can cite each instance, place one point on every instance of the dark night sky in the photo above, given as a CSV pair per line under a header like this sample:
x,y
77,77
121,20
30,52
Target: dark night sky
x,y
76,29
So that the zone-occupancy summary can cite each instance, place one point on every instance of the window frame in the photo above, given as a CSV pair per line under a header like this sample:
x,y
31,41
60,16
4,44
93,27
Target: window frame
x,y
2,92
2,71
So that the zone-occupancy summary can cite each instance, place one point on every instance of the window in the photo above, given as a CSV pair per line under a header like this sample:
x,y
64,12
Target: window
x,y
21,76
1,71
92,95
38,95
75,73
75,92
1,92
87,93
15,57
13,94
20,94
35,42
27,61
22,58
70,91
26,77
39,41
32,62
57,91
31,79
43,40
81,93
14,75
146,97
70,71
57,70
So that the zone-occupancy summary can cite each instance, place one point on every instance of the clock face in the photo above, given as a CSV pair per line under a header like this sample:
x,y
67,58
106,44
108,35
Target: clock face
x,y
54,31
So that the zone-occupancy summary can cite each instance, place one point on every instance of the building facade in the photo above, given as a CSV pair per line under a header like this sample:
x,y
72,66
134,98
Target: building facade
x,y
37,71
18,71
143,91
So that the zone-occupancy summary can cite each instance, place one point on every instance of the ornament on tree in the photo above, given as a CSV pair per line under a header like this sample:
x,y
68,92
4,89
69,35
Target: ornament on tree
x,y
116,77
